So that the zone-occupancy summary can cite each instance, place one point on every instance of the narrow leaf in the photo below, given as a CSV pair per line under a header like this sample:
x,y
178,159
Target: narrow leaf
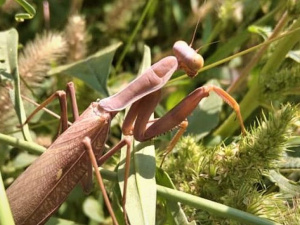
x,y
9,68
286,186
5,213
20,17
141,186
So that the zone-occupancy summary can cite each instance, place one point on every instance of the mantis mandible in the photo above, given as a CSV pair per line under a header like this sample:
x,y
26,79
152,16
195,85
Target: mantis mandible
x,y
42,188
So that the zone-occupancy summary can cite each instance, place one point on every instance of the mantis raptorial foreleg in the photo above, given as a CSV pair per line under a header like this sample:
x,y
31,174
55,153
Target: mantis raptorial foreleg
x,y
181,129
144,129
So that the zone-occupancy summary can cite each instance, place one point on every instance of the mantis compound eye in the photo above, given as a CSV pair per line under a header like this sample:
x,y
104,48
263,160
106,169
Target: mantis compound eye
x,y
188,59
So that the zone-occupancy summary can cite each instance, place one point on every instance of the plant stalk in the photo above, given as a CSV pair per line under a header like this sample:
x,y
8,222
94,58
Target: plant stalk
x,y
200,203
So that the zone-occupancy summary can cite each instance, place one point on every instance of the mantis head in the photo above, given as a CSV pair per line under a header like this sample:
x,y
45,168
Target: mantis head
x,y
188,58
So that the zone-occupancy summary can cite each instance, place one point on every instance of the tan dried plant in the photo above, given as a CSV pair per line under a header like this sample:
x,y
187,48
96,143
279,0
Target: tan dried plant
x,y
75,35
39,55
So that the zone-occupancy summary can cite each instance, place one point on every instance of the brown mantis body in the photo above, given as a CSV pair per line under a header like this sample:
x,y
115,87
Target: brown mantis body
x,y
44,186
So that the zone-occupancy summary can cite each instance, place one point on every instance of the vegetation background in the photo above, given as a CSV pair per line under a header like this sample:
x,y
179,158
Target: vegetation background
x,y
257,173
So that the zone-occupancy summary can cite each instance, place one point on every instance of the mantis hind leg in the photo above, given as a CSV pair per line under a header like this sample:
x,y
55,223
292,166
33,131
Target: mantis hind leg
x,y
125,141
101,160
62,96
87,142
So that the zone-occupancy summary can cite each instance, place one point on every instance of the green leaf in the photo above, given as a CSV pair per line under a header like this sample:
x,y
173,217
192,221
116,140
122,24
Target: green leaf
x,y
24,159
58,221
291,158
20,17
5,213
93,209
141,186
264,32
286,186
175,98
178,216
116,196
141,189
93,70
9,68
206,116
146,62
294,55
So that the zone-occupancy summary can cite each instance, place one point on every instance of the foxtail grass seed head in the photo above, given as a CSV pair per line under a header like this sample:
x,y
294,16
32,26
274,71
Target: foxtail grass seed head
x,y
75,35
35,60
38,56
277,86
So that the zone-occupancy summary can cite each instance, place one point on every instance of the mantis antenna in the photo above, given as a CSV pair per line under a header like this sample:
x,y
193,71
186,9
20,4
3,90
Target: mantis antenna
x,y
194,34
208,44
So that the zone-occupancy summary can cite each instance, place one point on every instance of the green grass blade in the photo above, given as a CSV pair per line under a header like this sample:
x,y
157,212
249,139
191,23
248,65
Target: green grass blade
x,y
20,17
132,36
9,52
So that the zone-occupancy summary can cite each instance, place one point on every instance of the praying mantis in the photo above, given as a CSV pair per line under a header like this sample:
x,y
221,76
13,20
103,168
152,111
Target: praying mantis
x,y
70,158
